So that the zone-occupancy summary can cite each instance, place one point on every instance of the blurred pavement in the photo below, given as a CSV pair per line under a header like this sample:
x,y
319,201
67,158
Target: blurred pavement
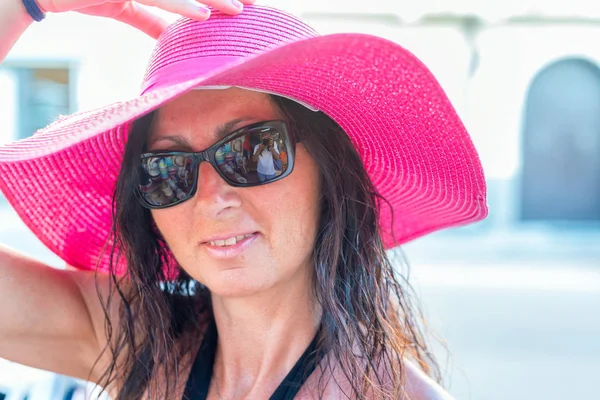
x,y
515,331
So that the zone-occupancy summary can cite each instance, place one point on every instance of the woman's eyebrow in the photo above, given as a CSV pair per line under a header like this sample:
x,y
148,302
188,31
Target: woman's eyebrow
x,y
178,140
228,127
221,131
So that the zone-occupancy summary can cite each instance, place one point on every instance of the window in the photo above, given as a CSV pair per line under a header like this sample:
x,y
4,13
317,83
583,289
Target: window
x,y
31,98
44,94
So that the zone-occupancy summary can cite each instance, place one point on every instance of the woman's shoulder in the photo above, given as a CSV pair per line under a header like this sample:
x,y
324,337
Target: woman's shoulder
x,y
419,386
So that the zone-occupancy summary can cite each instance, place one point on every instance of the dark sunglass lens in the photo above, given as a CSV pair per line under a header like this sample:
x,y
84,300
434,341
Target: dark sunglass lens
x,y
256,157
166,180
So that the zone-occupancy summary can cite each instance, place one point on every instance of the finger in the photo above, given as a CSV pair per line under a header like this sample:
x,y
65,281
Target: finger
x,y
142,19
227,6
187,8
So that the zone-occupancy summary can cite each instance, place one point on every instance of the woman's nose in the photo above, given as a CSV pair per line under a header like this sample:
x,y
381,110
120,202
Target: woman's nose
x,y
212,190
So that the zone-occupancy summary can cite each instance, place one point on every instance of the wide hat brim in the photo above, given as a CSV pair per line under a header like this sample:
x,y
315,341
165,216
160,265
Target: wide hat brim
x,y
413,144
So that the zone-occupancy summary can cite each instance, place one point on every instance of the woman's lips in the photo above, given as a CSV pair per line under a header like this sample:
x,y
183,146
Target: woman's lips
x,y
224,252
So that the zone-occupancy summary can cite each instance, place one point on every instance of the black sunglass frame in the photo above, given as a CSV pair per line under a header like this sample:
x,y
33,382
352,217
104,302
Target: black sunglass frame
x,y
209,155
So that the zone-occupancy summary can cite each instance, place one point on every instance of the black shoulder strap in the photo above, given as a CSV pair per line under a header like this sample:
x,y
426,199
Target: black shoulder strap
x,y
198,382
299,373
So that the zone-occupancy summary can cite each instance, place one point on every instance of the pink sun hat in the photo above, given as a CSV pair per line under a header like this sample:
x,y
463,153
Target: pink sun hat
x,y
413,145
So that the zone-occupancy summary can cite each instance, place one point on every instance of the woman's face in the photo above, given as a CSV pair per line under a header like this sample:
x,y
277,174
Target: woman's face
x,y
280,217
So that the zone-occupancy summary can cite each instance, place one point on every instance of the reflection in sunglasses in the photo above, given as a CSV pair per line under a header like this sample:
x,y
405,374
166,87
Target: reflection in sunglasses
x,y
167,179
250,158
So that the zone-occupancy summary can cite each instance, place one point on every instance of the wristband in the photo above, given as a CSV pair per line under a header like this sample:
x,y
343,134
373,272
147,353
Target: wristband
x,y
34,10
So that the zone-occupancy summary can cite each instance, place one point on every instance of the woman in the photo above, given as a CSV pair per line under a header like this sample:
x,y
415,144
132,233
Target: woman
x,y
211,285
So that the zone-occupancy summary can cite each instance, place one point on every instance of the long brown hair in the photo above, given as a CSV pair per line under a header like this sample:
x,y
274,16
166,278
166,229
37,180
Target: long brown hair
x,y
369,325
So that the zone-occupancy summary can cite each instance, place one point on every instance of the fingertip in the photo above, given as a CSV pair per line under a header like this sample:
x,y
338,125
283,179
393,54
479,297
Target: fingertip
x,y
238,6
202,12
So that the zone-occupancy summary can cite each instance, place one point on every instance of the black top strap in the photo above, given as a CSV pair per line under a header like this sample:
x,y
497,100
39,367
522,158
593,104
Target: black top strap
x,y
299,373
198,382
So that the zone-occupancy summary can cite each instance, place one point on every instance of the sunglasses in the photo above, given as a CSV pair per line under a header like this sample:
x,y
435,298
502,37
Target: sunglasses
x,y
254,155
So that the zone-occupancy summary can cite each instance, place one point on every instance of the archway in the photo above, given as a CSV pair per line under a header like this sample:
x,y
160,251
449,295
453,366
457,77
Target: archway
x,y
561,144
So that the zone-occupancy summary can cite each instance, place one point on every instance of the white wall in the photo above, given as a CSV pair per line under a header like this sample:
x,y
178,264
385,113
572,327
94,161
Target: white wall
x,y
511,57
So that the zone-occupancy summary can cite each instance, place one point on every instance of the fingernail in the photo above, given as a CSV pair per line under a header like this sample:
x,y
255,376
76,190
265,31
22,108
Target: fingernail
x,y
204,9
237,4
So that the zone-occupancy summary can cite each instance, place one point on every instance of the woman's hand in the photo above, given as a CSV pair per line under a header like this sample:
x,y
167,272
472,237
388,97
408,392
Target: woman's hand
x,y
131,13
14,20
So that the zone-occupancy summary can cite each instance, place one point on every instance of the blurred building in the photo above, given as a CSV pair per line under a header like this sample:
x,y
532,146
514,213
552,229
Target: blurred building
x,y
523,74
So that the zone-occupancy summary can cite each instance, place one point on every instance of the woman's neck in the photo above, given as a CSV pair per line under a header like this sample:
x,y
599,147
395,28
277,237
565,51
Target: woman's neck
x,y
262,336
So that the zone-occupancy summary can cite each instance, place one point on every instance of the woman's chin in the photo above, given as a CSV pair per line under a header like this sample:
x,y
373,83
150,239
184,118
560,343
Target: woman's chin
x,y
235,290
237,283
